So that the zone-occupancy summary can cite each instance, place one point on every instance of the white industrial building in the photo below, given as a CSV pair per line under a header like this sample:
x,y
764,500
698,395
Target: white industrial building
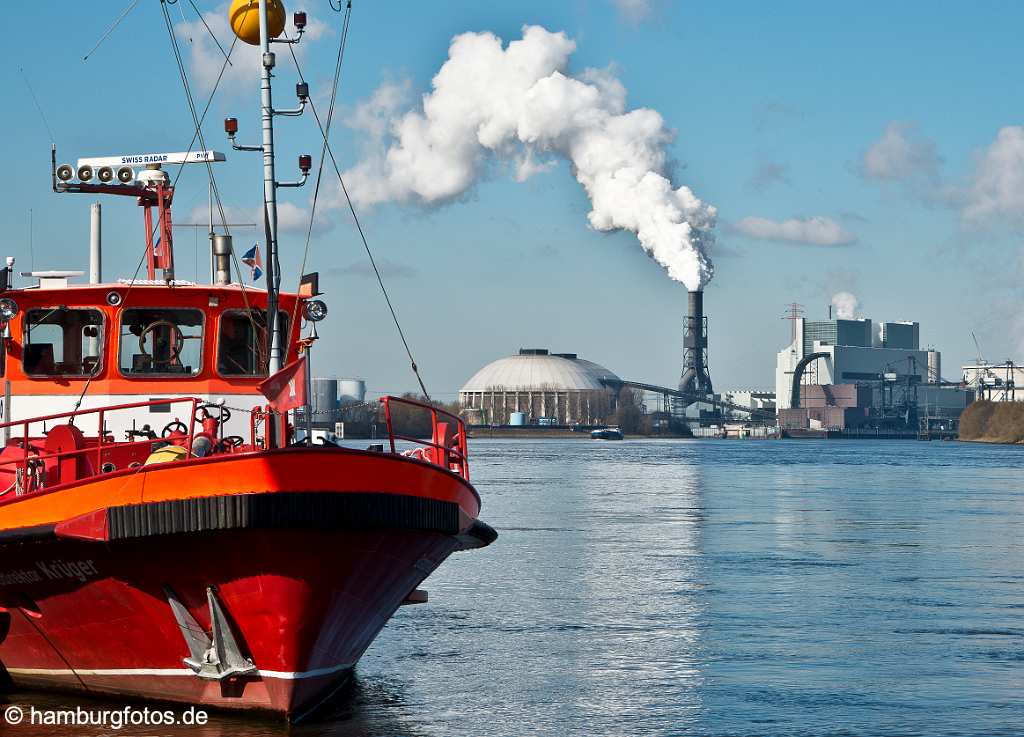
x,y
752,399
553,388
996,382
851,351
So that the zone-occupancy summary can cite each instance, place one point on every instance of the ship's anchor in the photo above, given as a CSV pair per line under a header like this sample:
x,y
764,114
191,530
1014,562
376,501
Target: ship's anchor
x,y
215,658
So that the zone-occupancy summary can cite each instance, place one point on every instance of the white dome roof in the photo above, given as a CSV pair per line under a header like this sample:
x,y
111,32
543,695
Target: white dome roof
x,y
536,370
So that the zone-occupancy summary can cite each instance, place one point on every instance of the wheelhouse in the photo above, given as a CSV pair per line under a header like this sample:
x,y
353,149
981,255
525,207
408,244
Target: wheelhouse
x,y
141,339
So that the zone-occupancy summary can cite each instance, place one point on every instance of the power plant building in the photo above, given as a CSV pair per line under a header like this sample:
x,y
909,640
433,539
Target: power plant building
x,y
838,374
849,351
547,388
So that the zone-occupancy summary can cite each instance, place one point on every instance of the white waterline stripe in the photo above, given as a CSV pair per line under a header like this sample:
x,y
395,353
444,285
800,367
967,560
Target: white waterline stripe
x,y
306,674
176,672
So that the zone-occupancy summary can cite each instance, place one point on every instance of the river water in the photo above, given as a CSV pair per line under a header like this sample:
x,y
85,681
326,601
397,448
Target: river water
x,y
709,588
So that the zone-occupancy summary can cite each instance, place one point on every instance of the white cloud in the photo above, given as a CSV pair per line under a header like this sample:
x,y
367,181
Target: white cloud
x,y
241,77
817,230
294,219
902,153
634,11
388,269
291,219
766,174
997,185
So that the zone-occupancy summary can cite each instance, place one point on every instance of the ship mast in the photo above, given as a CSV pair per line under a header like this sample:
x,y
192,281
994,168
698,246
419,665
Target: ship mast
x,y
269,192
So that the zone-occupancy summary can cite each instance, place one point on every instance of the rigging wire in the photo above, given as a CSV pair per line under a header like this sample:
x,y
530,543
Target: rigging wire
x,y
177,176
192,110
209,30
362,235
181,12
115,24
209,166
39,107
323,158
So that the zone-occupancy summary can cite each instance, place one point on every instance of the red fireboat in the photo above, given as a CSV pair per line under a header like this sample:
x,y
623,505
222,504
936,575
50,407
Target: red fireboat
x,y
165,533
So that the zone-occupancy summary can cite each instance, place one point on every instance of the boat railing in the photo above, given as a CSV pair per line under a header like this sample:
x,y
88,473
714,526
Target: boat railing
x,y
446,448
87,456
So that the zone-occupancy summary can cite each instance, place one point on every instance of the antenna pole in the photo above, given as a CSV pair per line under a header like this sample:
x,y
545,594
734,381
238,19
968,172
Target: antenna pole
x,y
95,243
273,276
269,191
213,265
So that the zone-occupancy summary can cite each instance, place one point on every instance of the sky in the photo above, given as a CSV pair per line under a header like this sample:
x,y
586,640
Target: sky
x,y
870,155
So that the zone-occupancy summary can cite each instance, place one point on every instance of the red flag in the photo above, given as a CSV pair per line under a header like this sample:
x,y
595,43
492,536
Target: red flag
x,y
287,388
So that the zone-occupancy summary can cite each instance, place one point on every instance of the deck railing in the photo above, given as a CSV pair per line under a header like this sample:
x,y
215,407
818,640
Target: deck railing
x,y
30,467
444,448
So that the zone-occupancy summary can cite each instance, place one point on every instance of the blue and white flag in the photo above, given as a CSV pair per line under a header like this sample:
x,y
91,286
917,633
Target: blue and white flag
x,y
254,261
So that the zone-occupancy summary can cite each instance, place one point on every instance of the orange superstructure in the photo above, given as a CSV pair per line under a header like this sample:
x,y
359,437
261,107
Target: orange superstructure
x,y
215,304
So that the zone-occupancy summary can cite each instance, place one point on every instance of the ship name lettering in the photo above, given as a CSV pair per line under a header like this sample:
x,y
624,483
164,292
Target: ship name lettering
x,y
12,578
59,569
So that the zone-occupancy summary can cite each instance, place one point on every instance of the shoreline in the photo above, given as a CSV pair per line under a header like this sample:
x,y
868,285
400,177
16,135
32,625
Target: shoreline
x,y
992,441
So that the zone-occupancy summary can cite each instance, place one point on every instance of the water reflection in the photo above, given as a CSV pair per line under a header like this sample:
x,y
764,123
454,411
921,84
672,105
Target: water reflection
x,y
710,588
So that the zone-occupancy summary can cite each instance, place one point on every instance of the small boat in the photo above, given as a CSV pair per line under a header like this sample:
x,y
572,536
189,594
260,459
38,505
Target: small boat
x,y
606,433
165,533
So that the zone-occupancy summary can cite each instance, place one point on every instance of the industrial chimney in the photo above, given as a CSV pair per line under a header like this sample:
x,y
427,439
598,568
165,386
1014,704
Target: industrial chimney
x,y
695,379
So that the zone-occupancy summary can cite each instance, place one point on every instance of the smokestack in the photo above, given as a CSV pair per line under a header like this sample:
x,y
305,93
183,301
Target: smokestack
x,y
695,378
222,259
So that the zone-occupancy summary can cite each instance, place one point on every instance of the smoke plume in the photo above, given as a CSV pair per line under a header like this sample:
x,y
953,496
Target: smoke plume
x,y
518,103
846,304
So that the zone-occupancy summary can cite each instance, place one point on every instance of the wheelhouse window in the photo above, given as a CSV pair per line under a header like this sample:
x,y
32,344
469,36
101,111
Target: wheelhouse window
x,y
60,341
161,341
242,343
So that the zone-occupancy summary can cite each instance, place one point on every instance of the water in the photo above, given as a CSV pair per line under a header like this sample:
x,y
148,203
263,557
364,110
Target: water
x,y
710,588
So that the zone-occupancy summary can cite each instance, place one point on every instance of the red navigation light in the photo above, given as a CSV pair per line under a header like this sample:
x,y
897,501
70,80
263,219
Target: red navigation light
x,y
299,19
231,126
305,163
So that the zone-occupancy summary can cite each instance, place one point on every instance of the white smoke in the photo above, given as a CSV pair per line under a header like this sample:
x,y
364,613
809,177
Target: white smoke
x,y
518,103
846,304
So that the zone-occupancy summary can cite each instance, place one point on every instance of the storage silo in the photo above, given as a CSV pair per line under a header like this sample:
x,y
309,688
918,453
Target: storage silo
x,y
324,397
536,385
351,391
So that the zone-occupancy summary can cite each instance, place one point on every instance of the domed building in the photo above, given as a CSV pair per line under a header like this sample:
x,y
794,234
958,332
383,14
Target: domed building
x,y
548,388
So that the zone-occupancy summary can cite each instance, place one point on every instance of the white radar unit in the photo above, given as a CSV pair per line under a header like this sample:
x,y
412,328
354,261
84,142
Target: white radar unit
x,y
122,168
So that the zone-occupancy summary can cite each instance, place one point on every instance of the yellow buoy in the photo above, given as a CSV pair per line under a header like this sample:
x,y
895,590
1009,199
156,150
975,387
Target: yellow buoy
x,y
244,17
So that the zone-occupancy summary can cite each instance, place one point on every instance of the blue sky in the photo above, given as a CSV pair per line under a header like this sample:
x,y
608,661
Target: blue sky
x,y
848,149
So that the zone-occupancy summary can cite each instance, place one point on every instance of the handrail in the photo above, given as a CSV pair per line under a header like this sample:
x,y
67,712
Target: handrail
x,y
93,410
453,455
104,440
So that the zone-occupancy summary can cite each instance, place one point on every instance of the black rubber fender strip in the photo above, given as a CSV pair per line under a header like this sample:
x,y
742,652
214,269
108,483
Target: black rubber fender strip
x,y
37,533
301,510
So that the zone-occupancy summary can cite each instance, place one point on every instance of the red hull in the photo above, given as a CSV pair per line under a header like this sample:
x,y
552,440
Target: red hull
x,y
304,601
